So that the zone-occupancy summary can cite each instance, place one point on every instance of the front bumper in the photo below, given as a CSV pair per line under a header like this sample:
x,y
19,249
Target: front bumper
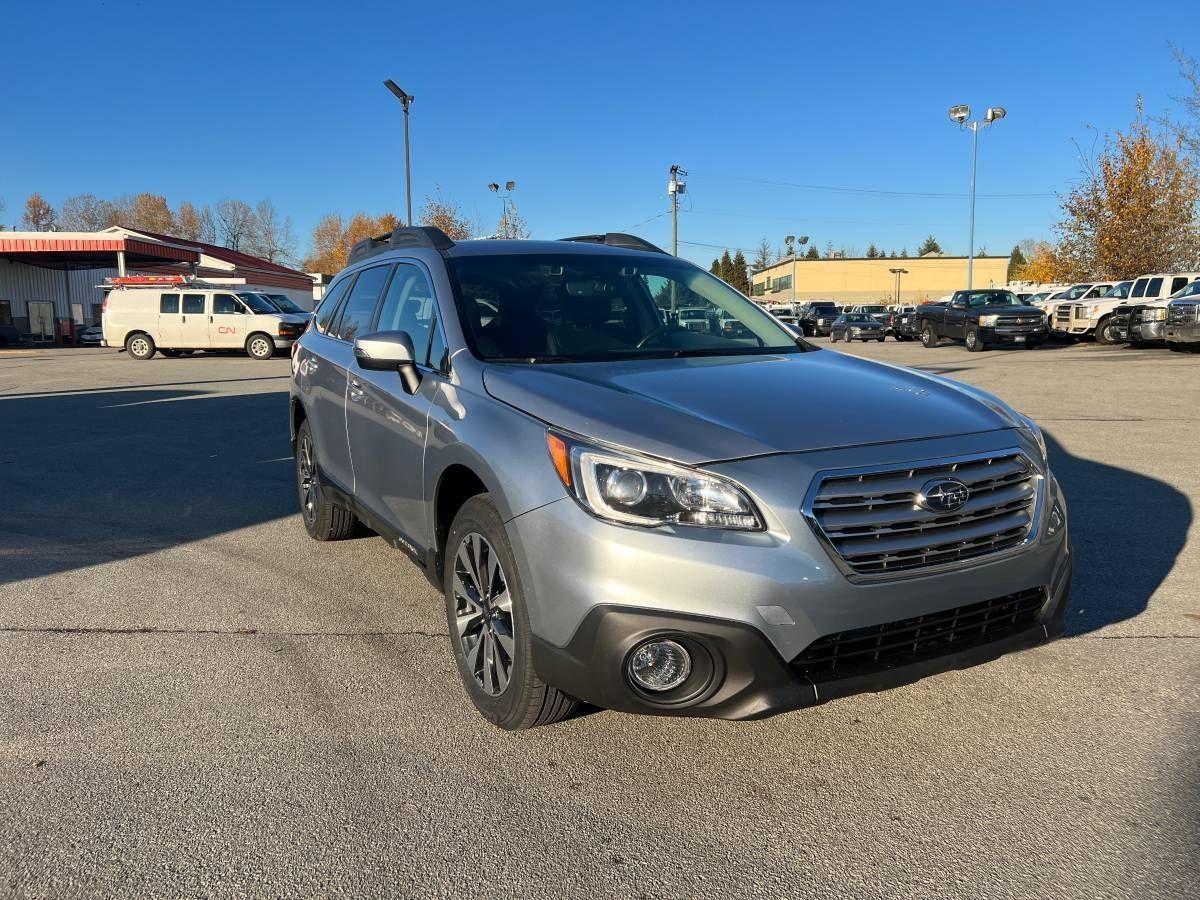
x,y
1183,334
1013,335
755,601
1148,332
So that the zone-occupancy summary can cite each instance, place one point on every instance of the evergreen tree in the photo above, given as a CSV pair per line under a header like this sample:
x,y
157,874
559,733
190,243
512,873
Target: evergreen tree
x,y
1016,262
929,245
904,253
741,280
715,268
726,274
873,252
813,253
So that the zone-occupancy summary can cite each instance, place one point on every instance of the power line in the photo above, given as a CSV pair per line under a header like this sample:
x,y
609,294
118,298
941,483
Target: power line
x,y
877,192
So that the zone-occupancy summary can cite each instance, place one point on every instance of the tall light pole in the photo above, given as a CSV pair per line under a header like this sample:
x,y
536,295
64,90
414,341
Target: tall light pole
x,y
959,115
405,101
793,245
898,273
675,187
505,201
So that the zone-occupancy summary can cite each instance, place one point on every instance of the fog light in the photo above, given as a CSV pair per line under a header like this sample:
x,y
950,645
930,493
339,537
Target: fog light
x,y
659,665
1056,521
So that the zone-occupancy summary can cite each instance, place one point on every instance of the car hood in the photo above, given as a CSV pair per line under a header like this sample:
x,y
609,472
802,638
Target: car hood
x,y
720,408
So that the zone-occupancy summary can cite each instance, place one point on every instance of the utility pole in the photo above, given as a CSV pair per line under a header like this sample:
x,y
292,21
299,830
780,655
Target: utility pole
x,y
405,101
675,187
794,244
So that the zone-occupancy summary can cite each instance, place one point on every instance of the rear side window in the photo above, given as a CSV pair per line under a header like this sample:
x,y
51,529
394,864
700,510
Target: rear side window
x,y
1154,288
408,305
193,304
359,310
168,303
329,304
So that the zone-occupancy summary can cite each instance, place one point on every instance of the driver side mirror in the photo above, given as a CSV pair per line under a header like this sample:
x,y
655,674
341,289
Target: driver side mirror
x,y
389,351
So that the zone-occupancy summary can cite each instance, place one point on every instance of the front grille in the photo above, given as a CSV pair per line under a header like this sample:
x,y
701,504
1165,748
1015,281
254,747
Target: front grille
x,y
873,524
1063,313
879,647
1011,321
1182,313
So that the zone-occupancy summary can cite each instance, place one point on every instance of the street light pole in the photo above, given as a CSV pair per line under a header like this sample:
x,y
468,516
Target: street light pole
x,y
405,101
959,115
898,273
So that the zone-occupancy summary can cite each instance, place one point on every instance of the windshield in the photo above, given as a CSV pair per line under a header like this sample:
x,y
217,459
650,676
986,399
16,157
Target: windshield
x,y
565,307
1120,291
873,309
1076,292
992,298
861,319
283,303
258,303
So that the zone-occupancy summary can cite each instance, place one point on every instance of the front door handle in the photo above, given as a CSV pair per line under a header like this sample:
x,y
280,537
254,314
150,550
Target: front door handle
x,y
356,390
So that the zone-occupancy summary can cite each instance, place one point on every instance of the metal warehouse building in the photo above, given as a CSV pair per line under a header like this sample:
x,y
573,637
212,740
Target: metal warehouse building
x,y
49,280
873,281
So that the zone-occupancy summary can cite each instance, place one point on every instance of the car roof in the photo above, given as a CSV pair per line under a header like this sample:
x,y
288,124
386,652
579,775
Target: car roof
x,y
509,248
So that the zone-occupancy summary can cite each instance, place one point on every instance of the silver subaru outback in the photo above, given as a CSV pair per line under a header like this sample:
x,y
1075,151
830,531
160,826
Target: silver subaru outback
x,y
625,510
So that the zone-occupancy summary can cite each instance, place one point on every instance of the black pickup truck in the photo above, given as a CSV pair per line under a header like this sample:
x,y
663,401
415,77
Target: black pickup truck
x,y
980,318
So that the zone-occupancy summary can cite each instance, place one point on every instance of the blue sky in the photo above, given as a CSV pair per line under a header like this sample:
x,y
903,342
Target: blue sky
x,y
585,106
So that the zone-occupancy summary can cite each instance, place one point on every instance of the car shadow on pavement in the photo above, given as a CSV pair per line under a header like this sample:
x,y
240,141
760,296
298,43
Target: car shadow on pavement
x,y
1128,530
93,477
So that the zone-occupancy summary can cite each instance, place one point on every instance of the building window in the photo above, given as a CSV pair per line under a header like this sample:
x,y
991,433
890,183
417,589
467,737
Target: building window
x,y
6,313
782,283
758,289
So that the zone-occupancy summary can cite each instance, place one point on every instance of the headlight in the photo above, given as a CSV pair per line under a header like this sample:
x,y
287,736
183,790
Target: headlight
x,y
637,490
1092,311
988,321
1035,432
1155,314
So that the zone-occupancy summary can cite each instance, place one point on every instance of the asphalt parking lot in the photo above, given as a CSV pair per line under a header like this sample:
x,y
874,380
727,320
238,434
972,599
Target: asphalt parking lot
x,y
197,699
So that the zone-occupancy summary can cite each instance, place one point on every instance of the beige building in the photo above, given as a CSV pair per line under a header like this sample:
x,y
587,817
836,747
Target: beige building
x,y
872,281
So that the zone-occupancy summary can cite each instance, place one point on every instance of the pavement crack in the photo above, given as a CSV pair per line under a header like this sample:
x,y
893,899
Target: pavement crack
x,y
231,632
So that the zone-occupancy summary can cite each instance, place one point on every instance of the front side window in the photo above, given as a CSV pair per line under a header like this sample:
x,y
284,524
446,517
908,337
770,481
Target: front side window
x,y
1178,283
565,307
1154,287
360,306
226,305
409,306
1190,290
168,303
1139,288
193,304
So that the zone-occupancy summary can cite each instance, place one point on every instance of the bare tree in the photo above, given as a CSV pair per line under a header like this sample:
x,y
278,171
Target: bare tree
x,y
39,215
84,212
150,212
762,256
270,236
234,222
512,224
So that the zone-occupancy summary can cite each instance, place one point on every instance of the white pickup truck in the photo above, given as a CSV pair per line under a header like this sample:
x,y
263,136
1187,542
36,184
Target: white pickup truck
x,y
1111,321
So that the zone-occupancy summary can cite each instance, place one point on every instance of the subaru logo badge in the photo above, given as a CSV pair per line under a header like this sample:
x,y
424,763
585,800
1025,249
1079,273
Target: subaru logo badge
x,y
943,495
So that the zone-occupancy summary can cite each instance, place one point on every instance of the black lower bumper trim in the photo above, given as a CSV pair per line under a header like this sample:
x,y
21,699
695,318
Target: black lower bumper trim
x,y
748,679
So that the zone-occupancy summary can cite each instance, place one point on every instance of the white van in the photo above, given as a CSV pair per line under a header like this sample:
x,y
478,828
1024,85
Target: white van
x,y
185,317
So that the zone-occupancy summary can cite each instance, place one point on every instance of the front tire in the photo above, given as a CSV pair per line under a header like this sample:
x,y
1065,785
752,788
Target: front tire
x,y
324,519
140,346
974,343
1102,336
929,340
489,623
260,346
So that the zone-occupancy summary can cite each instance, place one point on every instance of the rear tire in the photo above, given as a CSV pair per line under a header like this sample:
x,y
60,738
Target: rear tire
x,y
488,623
260,346
324,519
140,346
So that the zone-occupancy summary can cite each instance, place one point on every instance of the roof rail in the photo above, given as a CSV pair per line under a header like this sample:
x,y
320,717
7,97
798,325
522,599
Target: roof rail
x,y
404,236
617,239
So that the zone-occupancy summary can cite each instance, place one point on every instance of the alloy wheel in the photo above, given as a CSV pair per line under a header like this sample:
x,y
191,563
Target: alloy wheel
x,y
307,472
483,614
